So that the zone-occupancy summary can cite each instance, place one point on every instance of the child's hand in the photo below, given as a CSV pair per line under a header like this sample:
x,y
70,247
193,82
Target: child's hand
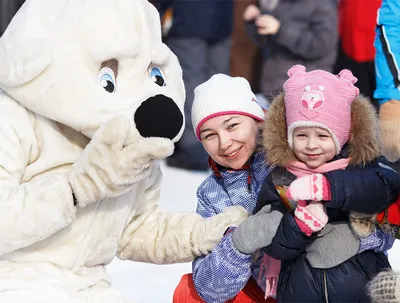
x,y
267,25
257,231
251,13
310,218
314,187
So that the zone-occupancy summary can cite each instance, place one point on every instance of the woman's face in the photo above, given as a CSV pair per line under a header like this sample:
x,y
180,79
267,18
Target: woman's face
x,y
230,140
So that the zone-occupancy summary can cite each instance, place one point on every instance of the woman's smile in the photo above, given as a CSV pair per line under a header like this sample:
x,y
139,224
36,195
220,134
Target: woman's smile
x,y
233,154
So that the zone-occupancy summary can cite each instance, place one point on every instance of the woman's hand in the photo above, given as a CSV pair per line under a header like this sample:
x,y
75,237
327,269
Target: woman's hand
x,y
257,231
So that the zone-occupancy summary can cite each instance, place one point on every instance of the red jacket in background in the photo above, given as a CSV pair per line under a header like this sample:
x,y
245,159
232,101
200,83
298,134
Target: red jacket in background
x,y
357,21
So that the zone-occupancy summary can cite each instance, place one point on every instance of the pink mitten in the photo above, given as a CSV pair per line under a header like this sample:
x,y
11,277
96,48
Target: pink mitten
x,y
310,218
314,187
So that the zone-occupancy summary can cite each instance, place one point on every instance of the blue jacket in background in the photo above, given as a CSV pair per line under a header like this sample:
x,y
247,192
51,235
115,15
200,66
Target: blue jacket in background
x,y
204,19
387,57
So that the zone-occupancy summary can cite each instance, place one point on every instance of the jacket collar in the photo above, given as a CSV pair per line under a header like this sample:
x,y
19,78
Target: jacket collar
x,y
218,169
256,169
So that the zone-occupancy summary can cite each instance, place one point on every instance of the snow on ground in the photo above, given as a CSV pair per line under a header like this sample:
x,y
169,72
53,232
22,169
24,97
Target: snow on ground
x,y
148,283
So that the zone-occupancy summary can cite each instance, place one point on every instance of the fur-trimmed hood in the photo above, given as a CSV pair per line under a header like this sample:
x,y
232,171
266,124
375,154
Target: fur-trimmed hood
x,y
364,134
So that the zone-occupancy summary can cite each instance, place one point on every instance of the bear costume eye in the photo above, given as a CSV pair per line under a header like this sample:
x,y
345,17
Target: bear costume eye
x,y
107,79
157,76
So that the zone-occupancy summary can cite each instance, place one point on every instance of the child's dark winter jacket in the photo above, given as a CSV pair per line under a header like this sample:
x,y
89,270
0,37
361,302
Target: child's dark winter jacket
x,y
367,185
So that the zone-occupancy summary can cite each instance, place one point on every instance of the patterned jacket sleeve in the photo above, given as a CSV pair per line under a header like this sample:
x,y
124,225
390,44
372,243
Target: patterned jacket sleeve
x,y
378,240
220,275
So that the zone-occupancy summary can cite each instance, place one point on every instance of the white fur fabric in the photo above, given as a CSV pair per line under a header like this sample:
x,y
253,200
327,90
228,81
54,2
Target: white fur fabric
x,y
52,103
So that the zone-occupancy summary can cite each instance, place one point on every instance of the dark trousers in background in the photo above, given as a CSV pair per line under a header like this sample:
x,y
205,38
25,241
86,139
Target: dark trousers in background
x,y
200,59
8,8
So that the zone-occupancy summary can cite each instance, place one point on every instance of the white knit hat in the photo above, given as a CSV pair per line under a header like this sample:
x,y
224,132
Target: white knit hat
x,y
223,95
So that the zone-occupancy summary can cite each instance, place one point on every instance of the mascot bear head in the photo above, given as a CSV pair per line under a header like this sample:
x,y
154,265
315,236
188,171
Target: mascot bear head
x,y
81,62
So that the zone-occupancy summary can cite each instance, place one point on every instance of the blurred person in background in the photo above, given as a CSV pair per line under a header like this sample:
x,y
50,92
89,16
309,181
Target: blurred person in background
x,y
387,60
357,22
292,32
200,38
8,8
385,287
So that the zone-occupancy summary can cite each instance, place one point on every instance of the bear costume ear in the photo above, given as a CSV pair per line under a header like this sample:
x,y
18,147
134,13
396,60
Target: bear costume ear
x,y
22,63
296,70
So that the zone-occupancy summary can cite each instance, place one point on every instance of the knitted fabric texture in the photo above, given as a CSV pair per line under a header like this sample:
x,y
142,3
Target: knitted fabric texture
x,y
300,169
313,187
223,95
384,288
310,217
320,99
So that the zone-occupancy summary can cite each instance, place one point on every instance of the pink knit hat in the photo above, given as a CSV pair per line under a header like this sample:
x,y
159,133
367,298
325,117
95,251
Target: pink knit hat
x,y
319,98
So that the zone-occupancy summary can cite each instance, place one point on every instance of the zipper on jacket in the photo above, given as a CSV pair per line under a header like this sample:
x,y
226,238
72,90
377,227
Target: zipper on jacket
x,y
326,288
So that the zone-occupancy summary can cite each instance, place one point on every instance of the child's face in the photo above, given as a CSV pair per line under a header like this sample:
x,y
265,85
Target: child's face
x,y
313,146
230,140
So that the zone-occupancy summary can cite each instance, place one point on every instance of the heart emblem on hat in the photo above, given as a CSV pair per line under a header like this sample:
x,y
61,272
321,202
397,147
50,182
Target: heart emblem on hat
x,y
309,114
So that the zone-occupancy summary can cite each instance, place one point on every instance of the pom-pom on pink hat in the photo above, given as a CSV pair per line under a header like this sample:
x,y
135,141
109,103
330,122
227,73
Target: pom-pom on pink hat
x,y
224,95
320,99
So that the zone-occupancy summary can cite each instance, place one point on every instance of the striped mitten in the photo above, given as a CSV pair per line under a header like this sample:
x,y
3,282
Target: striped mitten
x,y
314,187
310,217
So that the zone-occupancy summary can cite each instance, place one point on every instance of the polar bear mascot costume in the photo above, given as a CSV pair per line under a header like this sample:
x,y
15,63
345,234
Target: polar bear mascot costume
x,y
90,99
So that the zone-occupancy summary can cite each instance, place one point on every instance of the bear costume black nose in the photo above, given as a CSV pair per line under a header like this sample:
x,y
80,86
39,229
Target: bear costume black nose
x,y
158,116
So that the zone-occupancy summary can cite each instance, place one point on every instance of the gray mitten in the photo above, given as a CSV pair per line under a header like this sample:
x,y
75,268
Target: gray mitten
x,y
257,231
384,288
335,244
